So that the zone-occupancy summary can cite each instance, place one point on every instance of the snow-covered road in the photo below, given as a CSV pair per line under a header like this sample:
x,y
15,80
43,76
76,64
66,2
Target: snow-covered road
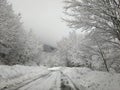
x,y
57,78
46,82
53,80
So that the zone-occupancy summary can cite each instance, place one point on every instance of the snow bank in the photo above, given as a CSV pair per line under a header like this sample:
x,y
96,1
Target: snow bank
x,y
102,81
93,80
55,68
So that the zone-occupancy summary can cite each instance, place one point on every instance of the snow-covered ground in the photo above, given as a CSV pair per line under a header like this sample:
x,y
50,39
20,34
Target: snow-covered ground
x,y
94,80
83,78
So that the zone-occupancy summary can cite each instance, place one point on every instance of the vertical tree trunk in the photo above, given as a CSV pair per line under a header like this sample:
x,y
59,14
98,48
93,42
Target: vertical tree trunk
x,y
102,55
105,62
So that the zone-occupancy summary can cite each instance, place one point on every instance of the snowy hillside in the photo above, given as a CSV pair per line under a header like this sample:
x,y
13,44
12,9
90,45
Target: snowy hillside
x,y
29,78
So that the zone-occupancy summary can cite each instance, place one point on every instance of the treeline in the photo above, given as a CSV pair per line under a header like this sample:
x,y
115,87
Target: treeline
x,y
82,50
20,46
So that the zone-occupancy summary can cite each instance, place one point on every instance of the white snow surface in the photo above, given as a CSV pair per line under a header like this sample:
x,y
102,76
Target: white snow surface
x,y
81,77
94,80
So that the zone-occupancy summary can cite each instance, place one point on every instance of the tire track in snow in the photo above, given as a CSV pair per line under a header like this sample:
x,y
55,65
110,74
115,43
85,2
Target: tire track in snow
x,y
25,83
69,81
50,81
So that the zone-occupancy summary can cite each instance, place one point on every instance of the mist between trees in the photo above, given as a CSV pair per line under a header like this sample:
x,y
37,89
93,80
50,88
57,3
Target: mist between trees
x,y
98,48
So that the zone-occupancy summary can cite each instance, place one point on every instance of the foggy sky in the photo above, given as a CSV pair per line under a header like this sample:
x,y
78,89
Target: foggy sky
x,y
44,17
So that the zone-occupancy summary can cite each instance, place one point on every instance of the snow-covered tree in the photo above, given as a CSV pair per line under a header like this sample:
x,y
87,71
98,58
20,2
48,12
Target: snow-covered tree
x,y
102,16
88,51
11,34
101,20
69,50
33,48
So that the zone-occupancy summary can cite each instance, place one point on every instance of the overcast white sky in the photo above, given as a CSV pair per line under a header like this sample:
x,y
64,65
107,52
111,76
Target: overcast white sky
x,y
44,17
